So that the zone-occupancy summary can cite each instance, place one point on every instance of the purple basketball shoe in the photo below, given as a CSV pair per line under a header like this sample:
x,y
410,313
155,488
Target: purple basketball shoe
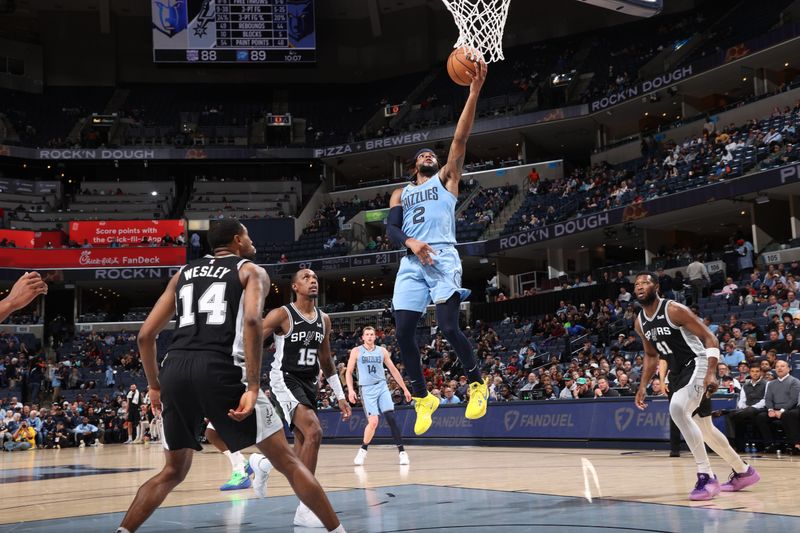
x,y
741,481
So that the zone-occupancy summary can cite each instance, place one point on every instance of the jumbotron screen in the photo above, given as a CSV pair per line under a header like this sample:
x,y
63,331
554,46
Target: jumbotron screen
x,y
233,31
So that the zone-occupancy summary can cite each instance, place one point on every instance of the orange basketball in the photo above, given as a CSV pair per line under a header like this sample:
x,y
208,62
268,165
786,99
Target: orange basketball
x,y
460,66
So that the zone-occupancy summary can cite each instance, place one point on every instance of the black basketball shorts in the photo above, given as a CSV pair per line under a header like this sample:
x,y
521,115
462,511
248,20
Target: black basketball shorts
x,y
197,385
289,391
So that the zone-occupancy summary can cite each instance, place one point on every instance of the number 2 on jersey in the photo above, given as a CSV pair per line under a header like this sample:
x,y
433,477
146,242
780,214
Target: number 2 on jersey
x,y
212,303
419,215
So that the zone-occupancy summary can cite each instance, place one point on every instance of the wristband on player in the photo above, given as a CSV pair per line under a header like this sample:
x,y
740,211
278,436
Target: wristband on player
x,y
336,385
712,352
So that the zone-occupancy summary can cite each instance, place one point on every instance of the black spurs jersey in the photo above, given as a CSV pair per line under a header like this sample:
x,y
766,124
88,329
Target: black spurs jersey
x,y
296,350
676,344
208,305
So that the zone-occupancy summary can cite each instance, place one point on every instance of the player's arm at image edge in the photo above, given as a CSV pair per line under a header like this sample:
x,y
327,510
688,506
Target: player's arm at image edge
x,y
256,289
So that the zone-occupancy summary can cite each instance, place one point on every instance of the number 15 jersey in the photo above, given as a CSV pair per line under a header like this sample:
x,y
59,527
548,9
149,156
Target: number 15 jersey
x,y
296,350
429,212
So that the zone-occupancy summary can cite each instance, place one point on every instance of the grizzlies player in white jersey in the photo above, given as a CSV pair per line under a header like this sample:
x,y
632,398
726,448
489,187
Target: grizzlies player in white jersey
x,y
422,220
691,350
212,369
302,335
375,395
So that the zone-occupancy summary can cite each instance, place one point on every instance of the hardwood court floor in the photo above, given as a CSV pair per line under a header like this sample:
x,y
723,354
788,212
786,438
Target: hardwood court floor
x,y
513,489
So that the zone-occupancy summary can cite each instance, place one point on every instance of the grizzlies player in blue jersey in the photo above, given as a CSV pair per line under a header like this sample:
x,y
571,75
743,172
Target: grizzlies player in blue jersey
x,y
375,395
422,219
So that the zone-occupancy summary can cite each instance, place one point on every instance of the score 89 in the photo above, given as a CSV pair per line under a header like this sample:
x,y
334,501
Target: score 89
x,y
258,55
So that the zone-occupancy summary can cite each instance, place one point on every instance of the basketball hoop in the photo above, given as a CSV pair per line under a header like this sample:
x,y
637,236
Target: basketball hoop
x,y
480,25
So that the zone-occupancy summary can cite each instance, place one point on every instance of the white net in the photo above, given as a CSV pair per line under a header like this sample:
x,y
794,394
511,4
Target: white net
x,y
480,25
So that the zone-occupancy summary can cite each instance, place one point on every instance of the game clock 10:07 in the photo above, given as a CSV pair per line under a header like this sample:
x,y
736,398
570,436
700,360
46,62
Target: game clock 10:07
x,y
233,31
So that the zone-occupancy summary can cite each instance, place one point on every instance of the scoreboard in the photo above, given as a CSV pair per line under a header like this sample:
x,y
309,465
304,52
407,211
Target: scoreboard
x,y
233,31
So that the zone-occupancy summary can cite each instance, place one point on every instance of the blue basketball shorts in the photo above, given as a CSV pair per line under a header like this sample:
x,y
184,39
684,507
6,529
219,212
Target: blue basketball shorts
x,y
376,399
418,285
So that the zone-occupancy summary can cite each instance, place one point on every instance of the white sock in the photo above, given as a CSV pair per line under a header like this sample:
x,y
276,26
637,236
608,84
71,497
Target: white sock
x,y
237,461
122,530
339,529
264,465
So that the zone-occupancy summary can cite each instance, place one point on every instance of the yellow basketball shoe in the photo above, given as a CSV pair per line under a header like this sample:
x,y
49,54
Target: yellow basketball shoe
x,y
424,408
478,400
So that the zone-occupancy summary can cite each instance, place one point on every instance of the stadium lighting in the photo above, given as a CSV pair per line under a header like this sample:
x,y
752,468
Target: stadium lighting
x,y
154,193
762,199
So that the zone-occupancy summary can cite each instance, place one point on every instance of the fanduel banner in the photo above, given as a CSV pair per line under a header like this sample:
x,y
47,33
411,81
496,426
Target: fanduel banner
x,y
641,89
606,419
128,232
92,258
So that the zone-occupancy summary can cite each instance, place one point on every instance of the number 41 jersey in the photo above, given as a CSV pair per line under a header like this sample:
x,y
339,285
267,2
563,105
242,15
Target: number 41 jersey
x,y
676,344
296,350
208,305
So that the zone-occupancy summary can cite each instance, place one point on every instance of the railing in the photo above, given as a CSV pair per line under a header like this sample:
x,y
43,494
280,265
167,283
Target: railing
x,y
355,320
528,279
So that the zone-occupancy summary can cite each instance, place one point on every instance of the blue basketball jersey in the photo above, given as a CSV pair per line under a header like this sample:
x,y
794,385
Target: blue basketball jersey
x,y
429,212
370,366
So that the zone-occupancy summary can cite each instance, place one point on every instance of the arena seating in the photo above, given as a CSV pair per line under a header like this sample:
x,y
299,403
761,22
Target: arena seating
x,y
743,22
46,120
697,163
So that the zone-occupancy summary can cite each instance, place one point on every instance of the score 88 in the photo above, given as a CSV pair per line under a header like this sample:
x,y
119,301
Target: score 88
x,y
208,55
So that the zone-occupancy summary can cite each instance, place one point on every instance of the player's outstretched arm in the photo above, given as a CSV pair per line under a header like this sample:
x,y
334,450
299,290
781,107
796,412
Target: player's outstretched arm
x,y
348,376
451,172
329,369
27,287
156,321
256,288
387,360
648,368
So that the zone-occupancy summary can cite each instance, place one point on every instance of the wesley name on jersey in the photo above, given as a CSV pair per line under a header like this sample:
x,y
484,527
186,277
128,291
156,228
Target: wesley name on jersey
x,y
205,271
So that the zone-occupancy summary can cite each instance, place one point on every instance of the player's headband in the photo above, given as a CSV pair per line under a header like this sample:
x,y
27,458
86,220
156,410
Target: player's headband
x,y
423,150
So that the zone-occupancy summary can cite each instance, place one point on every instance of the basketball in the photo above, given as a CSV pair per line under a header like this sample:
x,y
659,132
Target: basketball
x,y
460,66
